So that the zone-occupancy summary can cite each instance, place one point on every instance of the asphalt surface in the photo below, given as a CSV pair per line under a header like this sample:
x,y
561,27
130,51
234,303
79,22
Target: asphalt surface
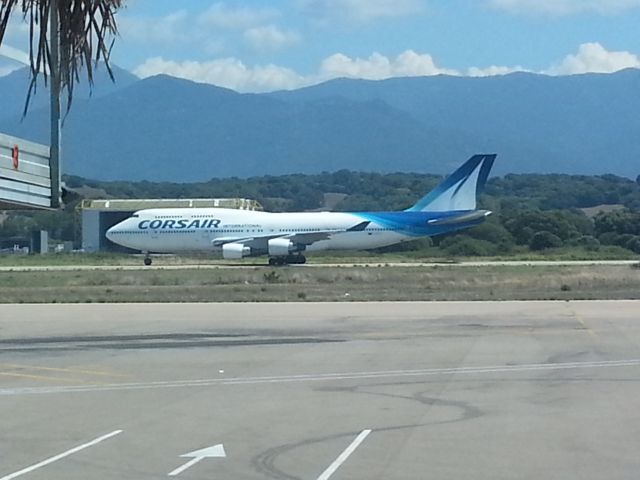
x,y
318,391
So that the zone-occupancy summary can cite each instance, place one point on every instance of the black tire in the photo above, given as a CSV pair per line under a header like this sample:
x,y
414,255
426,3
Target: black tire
x,y
148,261
296,259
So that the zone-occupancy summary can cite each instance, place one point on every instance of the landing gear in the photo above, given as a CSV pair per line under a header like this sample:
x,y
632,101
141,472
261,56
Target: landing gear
x,y
147,259
297,259
288,260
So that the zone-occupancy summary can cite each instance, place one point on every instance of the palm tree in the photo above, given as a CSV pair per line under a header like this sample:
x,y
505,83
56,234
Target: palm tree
x,y
87,29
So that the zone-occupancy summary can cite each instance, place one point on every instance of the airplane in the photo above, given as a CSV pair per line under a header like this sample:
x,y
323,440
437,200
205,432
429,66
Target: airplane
x,y
285,237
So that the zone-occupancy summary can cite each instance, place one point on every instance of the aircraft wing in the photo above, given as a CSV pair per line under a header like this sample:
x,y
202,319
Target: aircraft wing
x,y
261,242
312,237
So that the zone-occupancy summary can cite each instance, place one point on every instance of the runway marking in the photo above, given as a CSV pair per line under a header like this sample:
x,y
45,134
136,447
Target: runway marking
x,y
60,369
61,455
318,377
39,377
584,325
343,456
581,321
215,451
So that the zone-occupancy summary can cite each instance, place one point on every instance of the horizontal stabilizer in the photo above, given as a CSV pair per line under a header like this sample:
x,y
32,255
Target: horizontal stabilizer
x,y
459,190
458,219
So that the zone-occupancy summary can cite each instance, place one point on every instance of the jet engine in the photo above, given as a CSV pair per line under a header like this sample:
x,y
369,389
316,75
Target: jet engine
x,y
235,251
281,246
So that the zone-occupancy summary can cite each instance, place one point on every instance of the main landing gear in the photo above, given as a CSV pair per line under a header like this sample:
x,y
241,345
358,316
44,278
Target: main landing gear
x,y
288,260
147,259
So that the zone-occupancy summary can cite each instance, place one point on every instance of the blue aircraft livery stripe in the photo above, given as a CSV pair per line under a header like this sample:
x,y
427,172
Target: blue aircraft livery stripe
x,y
416,224
460,176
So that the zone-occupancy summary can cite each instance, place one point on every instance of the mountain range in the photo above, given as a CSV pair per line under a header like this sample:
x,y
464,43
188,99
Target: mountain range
x,y
168,129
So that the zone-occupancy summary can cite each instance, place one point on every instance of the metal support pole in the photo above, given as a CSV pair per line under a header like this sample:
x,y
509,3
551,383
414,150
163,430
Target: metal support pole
x,y
56,132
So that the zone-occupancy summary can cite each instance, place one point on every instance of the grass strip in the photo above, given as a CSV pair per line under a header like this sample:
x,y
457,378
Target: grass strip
x,y
357,283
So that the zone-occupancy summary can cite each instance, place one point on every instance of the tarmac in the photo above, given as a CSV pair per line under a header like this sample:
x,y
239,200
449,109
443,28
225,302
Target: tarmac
x,y
464,390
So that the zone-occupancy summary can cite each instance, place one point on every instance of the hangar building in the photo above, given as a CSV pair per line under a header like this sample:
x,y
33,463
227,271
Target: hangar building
x,y
100,215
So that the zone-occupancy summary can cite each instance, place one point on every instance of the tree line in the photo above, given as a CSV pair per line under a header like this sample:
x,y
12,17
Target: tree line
x,y
532,212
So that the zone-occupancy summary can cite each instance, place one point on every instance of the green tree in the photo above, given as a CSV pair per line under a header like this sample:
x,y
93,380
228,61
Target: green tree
x,y
464,245
633,244
619,221
563,224
543,240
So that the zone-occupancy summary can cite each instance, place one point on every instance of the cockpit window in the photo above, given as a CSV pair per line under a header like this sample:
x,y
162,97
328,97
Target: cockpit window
x,y
135,215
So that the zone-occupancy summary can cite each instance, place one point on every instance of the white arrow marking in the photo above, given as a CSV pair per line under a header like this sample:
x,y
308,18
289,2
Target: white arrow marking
x,y
344,455
197,455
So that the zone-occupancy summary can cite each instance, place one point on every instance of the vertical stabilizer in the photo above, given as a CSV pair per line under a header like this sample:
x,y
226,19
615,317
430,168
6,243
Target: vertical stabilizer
x,y
459,190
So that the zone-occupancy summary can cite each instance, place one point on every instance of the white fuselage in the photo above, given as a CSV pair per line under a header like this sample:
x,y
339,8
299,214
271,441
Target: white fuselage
x,y
451,206
207,229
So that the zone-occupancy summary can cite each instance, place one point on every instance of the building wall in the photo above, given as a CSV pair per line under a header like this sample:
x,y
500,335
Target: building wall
x,y
90,230
95,224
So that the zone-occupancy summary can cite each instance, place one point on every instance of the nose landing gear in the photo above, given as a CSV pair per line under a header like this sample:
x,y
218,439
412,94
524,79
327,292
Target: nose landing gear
x,y
147,259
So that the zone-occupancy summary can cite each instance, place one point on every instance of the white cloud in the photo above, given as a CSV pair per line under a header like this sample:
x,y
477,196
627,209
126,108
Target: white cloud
x,y
170,29
219,29
565,7
15,44
7,69
377,66
492,71
14,54
219,15
14,59
17,28
594,58
225,72
270,38
362,10
233,73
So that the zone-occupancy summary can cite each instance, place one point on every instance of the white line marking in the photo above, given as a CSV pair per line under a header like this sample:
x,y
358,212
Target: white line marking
x,y
181,469
331,469
215,451
61,455
318,377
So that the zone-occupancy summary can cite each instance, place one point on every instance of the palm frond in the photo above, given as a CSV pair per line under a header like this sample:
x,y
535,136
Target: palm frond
x,y
87,30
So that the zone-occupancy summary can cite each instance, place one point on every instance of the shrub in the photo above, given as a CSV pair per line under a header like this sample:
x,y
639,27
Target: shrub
x,y
633,244
412,246
543,240
588,242
271,277
462,245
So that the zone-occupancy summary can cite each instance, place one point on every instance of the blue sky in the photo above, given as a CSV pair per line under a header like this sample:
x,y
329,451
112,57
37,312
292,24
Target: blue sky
x,y
252,45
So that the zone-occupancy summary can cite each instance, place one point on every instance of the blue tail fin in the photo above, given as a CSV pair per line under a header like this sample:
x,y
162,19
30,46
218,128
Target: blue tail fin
x,y
460,189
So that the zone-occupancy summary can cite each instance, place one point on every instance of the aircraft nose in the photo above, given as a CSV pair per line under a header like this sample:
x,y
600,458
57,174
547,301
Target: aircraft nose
x,y
112,232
